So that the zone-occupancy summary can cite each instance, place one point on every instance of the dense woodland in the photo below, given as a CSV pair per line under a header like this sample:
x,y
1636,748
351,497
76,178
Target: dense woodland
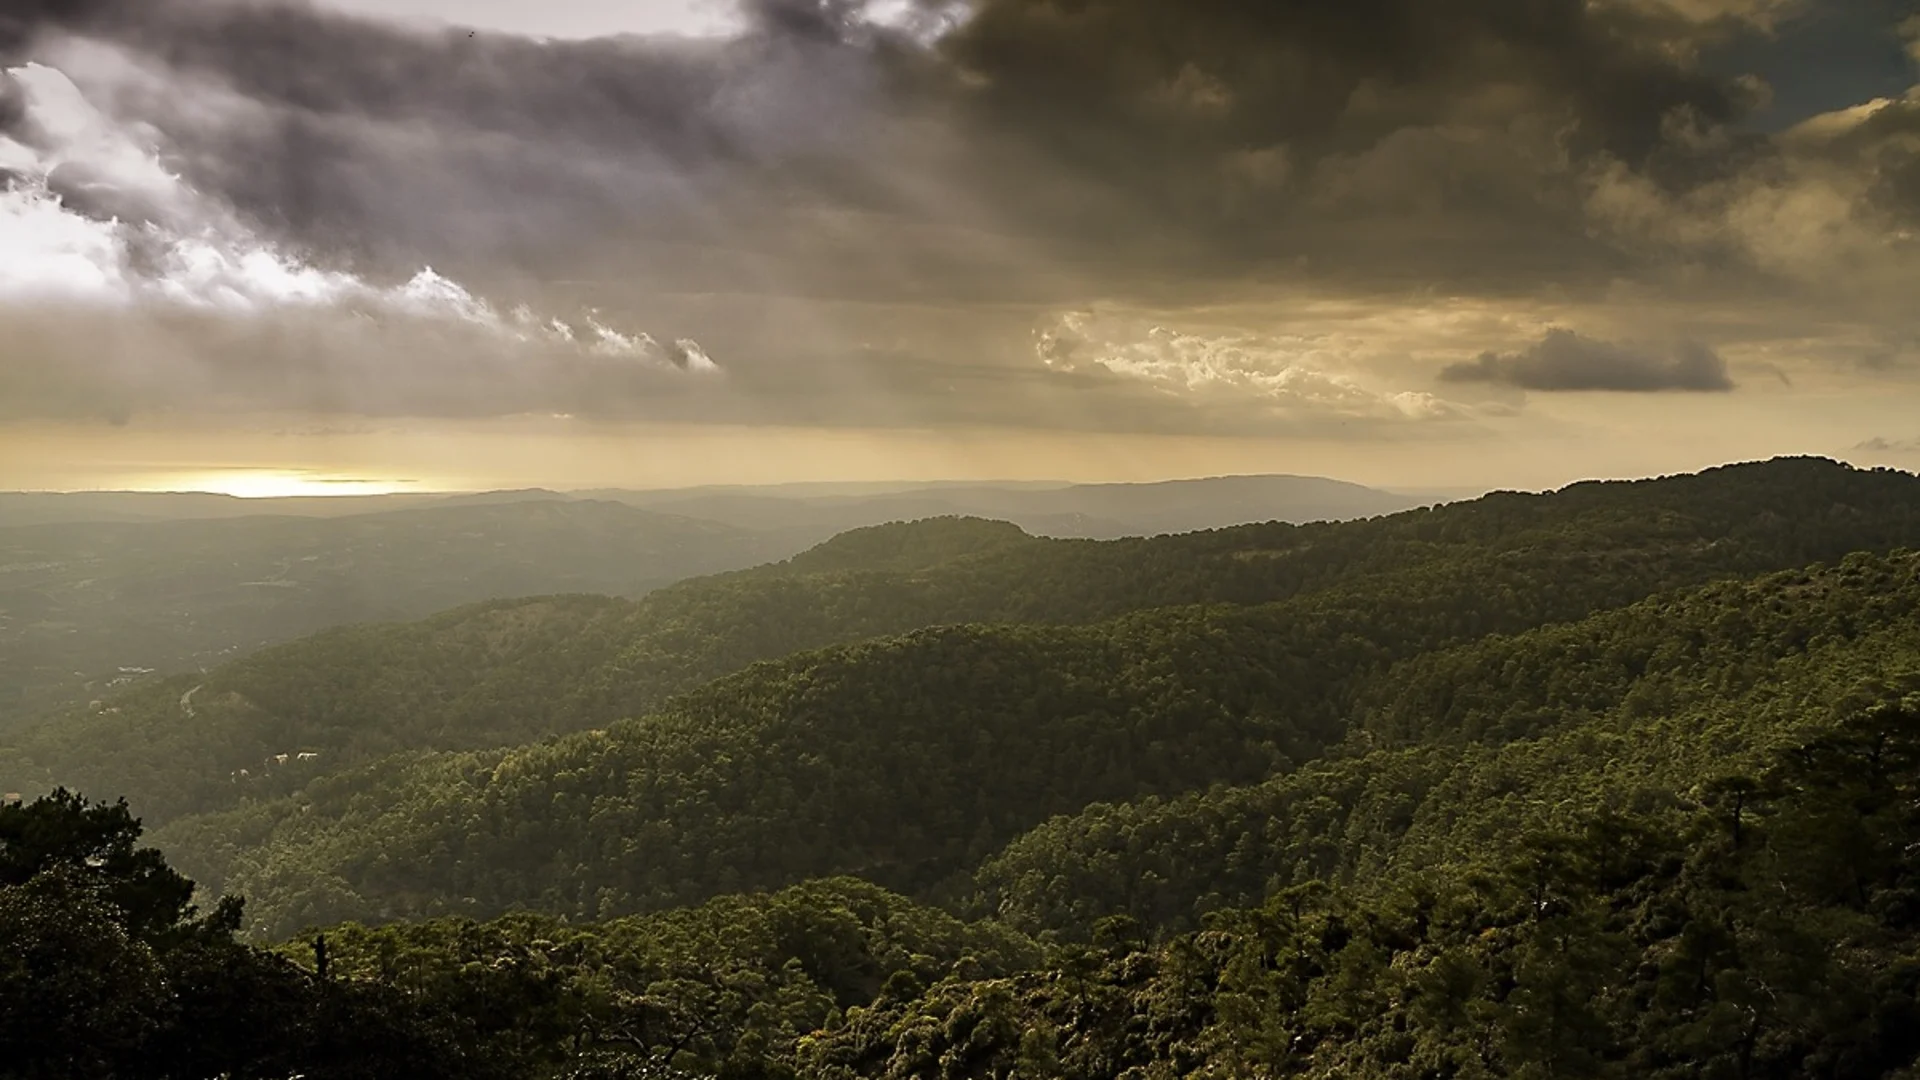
x,y
1619,781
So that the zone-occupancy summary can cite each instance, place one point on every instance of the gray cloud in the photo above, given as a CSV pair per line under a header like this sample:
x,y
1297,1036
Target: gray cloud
x,y
1384,141
1566,361
389,146
1882,445
1210,137
933,199
78,365
1217,115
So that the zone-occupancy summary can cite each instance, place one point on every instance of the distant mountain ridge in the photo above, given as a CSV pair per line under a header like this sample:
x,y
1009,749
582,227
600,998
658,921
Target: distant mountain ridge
x,y
1092,511
621,659
1103,510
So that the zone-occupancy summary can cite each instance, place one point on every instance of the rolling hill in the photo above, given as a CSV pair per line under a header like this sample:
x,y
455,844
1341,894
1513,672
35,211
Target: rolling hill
x,y
1615,781
1030,720
504,673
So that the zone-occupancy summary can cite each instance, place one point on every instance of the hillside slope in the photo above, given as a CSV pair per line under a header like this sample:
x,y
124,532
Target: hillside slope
x,y
1763,925
1502,563
908,761
1461,751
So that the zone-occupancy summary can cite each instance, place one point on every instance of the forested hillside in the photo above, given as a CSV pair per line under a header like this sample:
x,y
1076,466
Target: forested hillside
x,y
1762,925
1463,751
1614,782
909,761
1759,924
501,674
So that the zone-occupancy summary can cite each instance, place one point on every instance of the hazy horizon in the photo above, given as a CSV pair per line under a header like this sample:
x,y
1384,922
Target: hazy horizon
x,y
272,484
265,484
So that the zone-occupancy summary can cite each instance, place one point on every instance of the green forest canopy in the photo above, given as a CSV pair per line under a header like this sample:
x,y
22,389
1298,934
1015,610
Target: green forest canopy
x,y
515,672
1762,925
1618,782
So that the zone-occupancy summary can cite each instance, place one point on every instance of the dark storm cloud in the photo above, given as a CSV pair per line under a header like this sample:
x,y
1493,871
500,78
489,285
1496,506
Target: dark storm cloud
x,y
23,20
1249,124
1566,361
1208,136
1214,76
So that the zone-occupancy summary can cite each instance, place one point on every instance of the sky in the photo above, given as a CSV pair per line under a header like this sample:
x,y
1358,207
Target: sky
x,y
356,245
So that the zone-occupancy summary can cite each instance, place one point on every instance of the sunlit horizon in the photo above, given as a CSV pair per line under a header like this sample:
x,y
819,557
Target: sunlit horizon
x,y
280,484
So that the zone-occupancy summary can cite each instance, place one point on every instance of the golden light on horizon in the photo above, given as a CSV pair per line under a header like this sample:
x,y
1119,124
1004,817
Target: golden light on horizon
x,y
277,484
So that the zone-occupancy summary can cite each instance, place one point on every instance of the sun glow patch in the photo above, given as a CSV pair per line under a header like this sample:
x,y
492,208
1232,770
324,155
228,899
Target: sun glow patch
x,y
276,483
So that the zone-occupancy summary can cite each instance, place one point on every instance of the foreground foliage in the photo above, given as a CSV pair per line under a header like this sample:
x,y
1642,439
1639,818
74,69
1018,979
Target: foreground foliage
x,y
1765,925
107,970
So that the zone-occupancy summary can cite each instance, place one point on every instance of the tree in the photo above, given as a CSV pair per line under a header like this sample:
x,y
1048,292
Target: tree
x,y
96,843
80,996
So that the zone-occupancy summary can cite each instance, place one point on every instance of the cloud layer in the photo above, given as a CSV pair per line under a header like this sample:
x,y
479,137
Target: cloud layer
x,y
870,220
1564,360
